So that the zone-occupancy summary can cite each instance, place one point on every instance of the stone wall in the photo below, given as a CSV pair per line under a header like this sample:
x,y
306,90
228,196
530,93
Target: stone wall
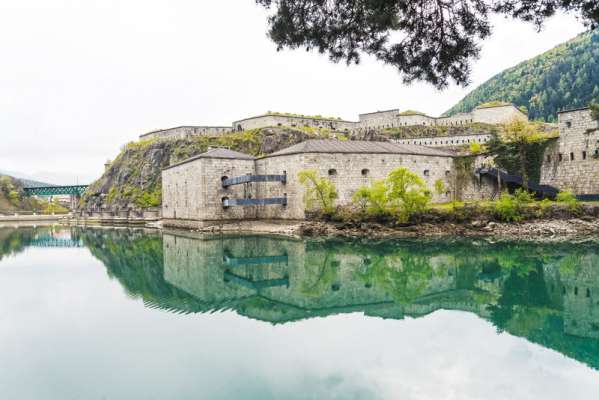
x,y
184,131
192,191
379,119
393,118
348,172
268,120
444,141
497,115
573,161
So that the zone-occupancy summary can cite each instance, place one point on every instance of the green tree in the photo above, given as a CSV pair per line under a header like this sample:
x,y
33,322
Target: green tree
x,y
522,133
428,40
402,193
319,191
439,187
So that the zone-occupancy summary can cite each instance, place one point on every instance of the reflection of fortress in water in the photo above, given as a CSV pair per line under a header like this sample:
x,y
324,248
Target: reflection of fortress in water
x,y
279,279
548,294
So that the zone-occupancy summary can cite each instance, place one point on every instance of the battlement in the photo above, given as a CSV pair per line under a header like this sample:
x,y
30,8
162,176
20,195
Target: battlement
x,y
491,113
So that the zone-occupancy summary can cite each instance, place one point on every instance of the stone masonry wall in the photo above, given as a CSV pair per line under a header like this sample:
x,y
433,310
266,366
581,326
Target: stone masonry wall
x,y
264,121
193,190
184,131
446,141
573,162
349,172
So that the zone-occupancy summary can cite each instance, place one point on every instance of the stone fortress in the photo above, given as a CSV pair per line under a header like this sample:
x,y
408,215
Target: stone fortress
x,y
488,114
222,185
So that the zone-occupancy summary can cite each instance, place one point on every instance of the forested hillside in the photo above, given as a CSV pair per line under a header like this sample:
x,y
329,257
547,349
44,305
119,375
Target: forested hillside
x,y
564,77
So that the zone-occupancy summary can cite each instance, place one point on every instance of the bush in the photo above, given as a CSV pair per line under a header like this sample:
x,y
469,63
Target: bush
x,y
523,196
319,191
508,208
568,198
402,193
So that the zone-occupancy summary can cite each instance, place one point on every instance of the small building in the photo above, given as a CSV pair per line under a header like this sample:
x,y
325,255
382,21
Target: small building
x,y
224,185
572,161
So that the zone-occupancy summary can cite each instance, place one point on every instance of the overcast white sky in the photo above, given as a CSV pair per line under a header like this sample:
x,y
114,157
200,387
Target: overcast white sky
x,y
80,78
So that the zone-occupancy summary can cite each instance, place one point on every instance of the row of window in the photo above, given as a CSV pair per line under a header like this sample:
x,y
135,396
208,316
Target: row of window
x,y
366,172
560,156
441,142
393,125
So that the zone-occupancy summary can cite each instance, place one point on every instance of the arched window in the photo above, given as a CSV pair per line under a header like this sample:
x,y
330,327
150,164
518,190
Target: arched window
x,y
426,172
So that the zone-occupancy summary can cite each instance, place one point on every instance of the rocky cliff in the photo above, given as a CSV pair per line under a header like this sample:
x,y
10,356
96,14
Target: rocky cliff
x,y
133,179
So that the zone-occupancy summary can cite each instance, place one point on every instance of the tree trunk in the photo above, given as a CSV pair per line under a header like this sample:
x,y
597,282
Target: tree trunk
x,y
523,171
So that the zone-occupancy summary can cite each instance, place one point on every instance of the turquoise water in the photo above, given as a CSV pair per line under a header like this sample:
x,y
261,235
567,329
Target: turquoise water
x,y
132,314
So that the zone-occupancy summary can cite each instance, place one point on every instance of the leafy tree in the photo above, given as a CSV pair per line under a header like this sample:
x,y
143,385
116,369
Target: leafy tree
x,y
437,39
375,199
439,187
594,111
318,190
523,133
402,193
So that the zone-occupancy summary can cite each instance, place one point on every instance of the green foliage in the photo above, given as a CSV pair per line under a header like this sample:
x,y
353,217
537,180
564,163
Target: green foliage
x,y
562,78
424,40
568,198
523,196
411,112
594,111
439,186
475,148
520,149
320,192
374,199
401,194
508,208
493,103
53,207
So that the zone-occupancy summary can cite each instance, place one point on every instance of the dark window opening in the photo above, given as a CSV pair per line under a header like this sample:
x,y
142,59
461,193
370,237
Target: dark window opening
x,y
548,158
560,157
576,291
568,124
588,292
571,156
365,172
584,155
426,172
335,287
332,172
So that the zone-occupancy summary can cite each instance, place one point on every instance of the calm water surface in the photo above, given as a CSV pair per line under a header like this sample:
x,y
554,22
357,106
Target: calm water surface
x,y
128,314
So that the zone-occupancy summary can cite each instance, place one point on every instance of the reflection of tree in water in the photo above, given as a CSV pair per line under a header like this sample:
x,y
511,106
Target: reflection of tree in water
x,y
319,277
518,286
15,240
404,275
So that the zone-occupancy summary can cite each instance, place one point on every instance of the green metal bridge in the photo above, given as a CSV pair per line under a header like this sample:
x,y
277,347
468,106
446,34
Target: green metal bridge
x,y
73,190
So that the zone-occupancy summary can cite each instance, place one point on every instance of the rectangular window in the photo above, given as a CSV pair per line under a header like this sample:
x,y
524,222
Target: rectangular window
x,y
568,124
571,156
560,157
584,155
548,158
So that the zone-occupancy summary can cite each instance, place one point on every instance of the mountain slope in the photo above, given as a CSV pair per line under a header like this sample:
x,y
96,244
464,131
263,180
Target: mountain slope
x,y
564,77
